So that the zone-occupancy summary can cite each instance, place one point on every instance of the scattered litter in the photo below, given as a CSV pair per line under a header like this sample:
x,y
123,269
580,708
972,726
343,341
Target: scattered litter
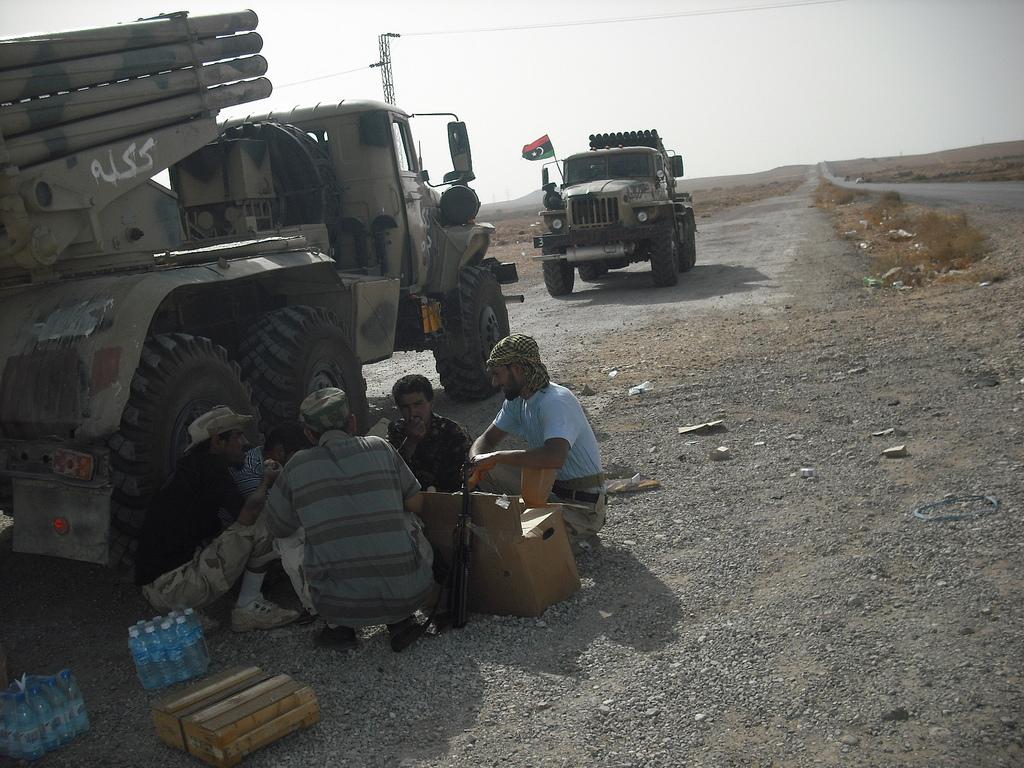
x,y
721,453
639,389
759,442
899,285
613,373
628,485
969,506
863,246
884,432
503,502
892,272
707,428
895,452
795,436
854,371
587,391
900,234
872,282
985,284
807,472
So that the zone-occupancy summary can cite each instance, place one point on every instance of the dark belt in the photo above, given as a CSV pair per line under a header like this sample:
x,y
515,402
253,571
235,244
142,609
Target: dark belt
x,y
567,493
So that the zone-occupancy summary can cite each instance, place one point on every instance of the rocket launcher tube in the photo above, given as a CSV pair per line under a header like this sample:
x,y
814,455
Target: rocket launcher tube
x,y
40,114
32,148
46,79
161,30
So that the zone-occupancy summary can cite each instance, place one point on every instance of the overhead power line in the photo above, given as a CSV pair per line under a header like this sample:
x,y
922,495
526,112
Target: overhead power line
x,y
626,19
326,77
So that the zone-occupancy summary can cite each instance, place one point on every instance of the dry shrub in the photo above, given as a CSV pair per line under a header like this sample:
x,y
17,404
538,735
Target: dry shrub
x,y
951,241
887,212
828,195
943,242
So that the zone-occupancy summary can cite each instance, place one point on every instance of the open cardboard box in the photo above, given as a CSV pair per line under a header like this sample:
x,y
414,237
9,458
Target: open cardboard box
x,y
522,561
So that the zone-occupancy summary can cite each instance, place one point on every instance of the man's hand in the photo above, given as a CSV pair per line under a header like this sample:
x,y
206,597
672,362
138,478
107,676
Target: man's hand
x,y
413,428
271,469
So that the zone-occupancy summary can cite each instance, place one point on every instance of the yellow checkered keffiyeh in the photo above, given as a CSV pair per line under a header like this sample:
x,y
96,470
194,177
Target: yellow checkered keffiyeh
x,y
519,349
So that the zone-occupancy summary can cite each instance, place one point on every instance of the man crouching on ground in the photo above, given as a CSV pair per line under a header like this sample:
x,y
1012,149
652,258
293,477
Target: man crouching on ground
x,y
200,536
366,559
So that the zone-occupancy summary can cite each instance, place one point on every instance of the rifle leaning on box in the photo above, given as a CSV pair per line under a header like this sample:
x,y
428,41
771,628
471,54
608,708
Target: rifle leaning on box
x,y
457,581
458,592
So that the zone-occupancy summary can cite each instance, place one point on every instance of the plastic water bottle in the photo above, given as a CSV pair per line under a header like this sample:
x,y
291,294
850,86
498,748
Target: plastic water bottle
x,y
157,654
59,705
197,629
76,702
148,673
49,723
174,651
191,651
30,740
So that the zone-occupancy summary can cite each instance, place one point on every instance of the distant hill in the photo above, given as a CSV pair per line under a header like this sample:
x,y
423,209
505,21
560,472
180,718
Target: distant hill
x,y
1010,152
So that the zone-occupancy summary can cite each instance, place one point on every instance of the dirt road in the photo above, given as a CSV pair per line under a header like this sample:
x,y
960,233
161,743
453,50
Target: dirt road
x,y
740,614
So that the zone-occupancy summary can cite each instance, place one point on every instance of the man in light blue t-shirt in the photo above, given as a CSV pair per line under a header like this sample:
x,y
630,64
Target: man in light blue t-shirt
x,y
551,420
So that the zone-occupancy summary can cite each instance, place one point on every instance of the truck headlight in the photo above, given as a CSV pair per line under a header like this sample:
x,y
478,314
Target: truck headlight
x,y
557,224
642,217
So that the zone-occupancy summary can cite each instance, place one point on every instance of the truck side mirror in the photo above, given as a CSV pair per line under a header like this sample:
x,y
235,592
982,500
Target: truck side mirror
x,y
425,175
458,144
677,166
543,177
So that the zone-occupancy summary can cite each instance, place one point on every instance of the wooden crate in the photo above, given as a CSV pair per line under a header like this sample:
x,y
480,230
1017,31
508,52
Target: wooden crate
x,y
222,719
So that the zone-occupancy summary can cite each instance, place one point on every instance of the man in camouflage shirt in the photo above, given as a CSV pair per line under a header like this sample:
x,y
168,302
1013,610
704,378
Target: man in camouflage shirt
x,y
435,448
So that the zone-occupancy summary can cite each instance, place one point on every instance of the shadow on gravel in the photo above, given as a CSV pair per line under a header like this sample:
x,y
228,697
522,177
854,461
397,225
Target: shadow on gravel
x,y
627,605
702,282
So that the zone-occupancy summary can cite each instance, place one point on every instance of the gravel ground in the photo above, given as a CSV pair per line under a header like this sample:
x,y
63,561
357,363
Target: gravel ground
x,y
740,614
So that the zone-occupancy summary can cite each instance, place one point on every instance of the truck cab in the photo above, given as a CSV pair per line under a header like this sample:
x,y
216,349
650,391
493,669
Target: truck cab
x,y
617,205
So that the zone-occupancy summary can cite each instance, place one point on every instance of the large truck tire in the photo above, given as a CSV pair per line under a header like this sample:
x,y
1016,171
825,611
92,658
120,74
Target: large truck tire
x,y
591,271
179,378
559,277
665,258
293,351
688,252
475,323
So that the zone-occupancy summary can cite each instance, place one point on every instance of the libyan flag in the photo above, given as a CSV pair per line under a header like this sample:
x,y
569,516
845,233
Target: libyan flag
x,y
541,149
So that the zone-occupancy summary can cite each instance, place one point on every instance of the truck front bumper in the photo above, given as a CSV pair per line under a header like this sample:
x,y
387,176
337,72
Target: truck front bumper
x,y
618,238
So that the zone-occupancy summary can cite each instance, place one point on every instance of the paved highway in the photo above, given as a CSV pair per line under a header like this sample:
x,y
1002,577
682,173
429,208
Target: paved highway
x,y
997,194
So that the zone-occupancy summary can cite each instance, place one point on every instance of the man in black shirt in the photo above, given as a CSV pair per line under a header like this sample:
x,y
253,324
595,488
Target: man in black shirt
x,y
435,448
190,552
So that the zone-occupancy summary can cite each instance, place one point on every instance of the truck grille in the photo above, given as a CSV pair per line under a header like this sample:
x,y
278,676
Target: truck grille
x,y
595,211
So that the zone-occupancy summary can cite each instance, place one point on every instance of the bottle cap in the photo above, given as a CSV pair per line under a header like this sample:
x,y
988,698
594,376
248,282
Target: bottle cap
x,y
149,628
165,624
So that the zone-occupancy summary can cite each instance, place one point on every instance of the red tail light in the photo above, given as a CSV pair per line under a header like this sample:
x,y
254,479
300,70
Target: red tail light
x,y
61,526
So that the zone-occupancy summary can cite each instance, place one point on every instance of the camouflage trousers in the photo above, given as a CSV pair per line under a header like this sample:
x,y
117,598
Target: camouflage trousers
x,y
214,569
582,518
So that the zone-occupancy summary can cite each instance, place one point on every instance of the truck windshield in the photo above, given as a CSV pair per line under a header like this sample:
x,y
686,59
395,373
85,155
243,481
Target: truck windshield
x,y
599,167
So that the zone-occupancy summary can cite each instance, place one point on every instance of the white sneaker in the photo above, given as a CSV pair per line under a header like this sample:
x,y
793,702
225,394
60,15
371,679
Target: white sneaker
x,y
261,614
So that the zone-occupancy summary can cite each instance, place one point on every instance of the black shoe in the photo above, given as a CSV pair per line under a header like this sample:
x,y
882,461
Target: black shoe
x,y
337,638
404,633
306,618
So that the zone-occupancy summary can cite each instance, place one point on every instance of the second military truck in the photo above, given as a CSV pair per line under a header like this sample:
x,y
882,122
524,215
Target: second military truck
x,y
618,205
288,251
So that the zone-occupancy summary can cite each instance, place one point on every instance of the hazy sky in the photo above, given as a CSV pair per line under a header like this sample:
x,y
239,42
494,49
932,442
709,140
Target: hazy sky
x,y
734,86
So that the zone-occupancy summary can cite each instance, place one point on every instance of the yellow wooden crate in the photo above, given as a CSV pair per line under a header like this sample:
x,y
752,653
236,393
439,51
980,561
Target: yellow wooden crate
x,y
223,718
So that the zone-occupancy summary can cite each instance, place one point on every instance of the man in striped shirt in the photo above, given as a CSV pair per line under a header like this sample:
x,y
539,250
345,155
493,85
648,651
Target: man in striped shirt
x,y
366,559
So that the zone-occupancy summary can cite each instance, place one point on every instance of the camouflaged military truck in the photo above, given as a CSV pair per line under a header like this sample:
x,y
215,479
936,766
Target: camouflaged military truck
x,y
618,205
289,250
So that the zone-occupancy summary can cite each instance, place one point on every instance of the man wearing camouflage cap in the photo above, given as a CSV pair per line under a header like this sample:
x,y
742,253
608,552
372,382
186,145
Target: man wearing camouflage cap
x,y
552,421
201,536
366,559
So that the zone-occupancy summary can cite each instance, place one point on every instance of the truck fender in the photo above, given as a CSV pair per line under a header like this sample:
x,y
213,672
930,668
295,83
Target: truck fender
x,y
70,349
